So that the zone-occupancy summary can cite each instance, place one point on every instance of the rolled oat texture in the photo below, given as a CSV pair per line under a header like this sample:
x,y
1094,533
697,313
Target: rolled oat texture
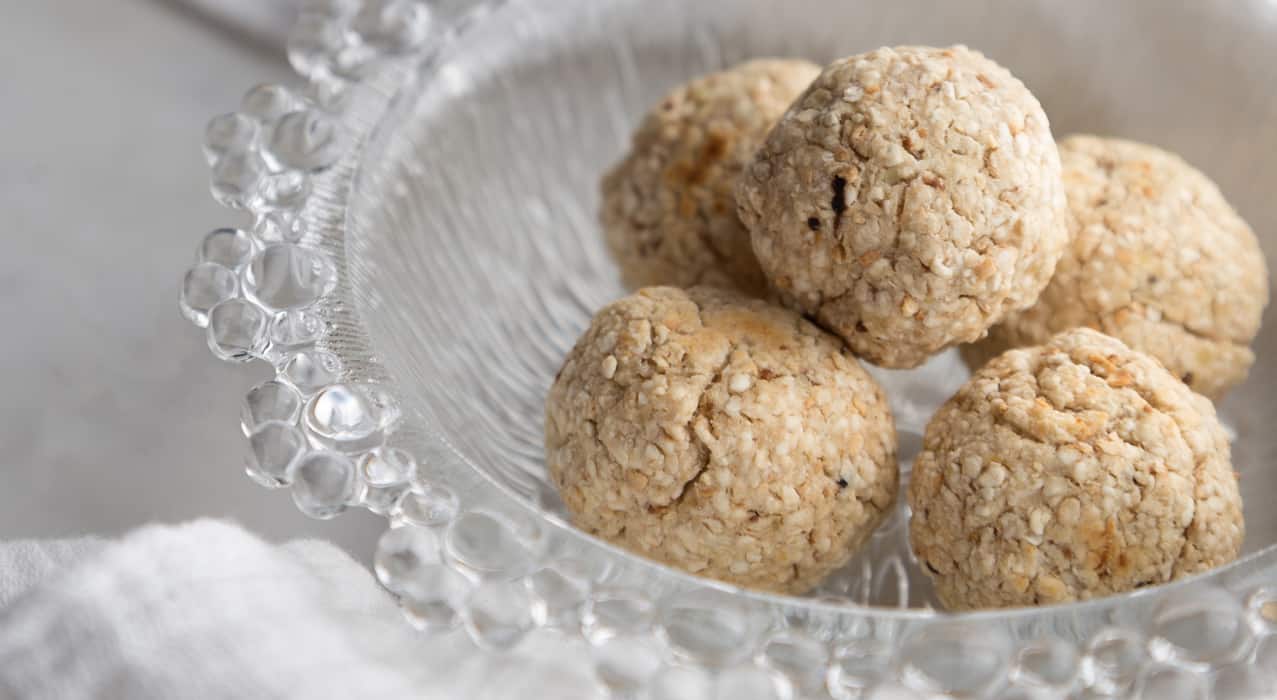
x,y
1157,258
721,435
1070,471
907,201
669,208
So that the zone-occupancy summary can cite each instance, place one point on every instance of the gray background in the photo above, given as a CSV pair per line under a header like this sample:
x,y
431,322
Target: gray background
x,y
112,411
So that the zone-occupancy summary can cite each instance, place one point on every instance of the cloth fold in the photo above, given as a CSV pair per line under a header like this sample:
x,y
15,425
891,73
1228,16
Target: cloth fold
x,y
207,610
199,610
25,563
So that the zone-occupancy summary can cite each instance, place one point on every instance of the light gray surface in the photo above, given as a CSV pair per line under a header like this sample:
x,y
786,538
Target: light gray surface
x,y
113,412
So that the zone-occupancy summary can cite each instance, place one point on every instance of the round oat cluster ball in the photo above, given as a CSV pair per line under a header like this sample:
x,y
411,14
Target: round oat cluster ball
x,y
1069,471
721,435
1157,258
669,210
908,200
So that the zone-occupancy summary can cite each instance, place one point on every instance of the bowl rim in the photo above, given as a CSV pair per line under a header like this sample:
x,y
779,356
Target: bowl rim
x,y
491,11
359,97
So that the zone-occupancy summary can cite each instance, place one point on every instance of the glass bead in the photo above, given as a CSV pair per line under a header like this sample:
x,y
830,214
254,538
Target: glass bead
x,y
749,682
338,416
385,472
236,330
383,405
285,190
625,664
435,600
500,614
485,545
402,554
311,370
431,505
269,401
1046,663
1200,628
278,227
799,658
235,177
681,683
206,285
228,133
297,328
323,483
528,529
611,612
392,26
857,666
289,276
273,448
710,627
1113,661
562,596
304,140
266,103
314,39
1171,683
960,659
228,247
329,93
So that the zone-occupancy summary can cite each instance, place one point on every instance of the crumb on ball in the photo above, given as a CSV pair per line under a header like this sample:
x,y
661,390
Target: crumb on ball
x,y
721,435
669,209
1070,471
1157,258
908,200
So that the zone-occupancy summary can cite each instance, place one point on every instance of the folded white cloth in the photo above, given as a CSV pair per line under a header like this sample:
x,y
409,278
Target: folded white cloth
x,y
206,610
27,562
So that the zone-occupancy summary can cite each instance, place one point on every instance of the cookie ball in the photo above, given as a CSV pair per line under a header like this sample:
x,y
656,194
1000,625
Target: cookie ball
x,y
907,201
1069,471
669,209
1157,258
723,436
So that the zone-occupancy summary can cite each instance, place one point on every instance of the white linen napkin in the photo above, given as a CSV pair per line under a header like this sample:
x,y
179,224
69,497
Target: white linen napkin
x,y
25,563
206,610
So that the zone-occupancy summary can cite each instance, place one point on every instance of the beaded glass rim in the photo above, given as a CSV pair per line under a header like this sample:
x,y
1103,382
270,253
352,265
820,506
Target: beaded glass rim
x,y
462,553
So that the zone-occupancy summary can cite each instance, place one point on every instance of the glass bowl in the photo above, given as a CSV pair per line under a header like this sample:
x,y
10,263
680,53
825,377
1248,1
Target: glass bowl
x,y
423,252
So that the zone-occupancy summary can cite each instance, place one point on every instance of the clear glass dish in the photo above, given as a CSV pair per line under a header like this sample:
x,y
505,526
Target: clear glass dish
x,y
423,252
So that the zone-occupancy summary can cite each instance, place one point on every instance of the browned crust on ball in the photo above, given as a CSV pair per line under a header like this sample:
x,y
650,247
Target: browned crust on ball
x,y
1157,258
669,208
1071,471
908,200
721,435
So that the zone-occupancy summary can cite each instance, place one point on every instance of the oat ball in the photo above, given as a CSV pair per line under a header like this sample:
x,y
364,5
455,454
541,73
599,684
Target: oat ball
x,y
721,435
1157,258
669,211
1069,471
907,201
